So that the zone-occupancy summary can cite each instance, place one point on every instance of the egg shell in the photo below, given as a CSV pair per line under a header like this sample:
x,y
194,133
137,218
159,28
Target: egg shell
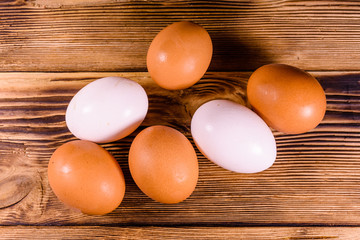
x,y
289,99
179,55
233,137
85,176
163,164
107,109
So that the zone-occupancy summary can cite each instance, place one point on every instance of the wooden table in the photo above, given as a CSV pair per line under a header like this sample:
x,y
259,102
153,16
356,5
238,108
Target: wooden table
x,y
50,49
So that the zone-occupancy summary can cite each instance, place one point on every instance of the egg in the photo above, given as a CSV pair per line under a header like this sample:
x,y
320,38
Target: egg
x,y
233,137
85,176
179,55
107,109
163,164
287,98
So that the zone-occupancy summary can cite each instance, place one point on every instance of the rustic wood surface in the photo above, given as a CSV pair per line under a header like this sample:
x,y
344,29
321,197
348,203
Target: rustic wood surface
x,y
235,233
113,35
50,49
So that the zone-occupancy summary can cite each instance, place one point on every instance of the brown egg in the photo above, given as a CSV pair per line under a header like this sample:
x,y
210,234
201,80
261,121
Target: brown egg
x,y
179,55
287,98
163,164
85,176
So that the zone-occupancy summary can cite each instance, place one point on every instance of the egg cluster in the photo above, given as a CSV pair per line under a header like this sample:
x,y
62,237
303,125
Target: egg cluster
x,y
162,161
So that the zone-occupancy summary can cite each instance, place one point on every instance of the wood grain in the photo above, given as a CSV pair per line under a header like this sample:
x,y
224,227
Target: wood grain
x,y
110,35
314,180
50,49
238,233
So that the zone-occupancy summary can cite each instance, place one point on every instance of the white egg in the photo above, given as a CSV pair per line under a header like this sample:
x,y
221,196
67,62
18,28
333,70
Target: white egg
x,y
233,137
107,109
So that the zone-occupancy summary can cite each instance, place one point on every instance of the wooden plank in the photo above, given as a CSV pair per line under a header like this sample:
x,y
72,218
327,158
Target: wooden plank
x,y
315,179
238,233
110,35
